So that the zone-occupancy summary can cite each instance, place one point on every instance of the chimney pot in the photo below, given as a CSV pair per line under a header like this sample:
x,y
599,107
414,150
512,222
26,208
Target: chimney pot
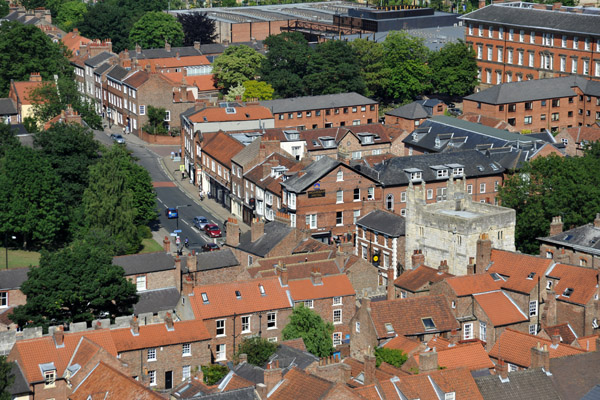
x,y
556,226
135,325
169,321
59,336
555,340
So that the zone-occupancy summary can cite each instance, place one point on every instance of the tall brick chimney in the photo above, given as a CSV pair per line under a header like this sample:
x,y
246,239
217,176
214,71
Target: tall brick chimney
x,y
428,361
370,368
501,369
471,266
391,289
549,314
59,336
169,321
483,253
540,357
197,45
191,261
443,266
555,341
187,286
233,233
167,46
340,257
417,259
283,273
35,77
272,376
556,226
316,277
135,326
257,229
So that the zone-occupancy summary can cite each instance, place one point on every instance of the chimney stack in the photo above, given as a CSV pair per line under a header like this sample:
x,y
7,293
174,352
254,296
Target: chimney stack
x,y
483,253
138,48
428,361
556,226
315,276
549,314
187,286
283,273
59,336
197,45
443,266
417,259
191,261
597,221
340,258
454,338
555,341
135,325
391,289
272,376
243,358
471,266
540,357
370,368
232,238
257,229
167,46
35,77
501,369
169,321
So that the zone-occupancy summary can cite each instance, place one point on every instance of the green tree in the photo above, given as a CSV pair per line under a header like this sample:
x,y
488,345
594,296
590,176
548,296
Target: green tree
x,y
25,49
391,356
4,9
308,325
105,20
70,14
214,373
6,378
144,197
375,72
154,29
258,90
31,198
235,92
285,65
258,350
454,69
156,121
333,68
75,284
197,27
8,138
406,57
235,66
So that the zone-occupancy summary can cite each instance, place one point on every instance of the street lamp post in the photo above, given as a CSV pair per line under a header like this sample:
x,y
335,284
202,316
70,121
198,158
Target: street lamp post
x,y
6,246
177,208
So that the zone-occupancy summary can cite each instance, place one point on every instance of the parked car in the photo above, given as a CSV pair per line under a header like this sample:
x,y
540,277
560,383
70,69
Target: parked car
x,y
200,222
171,213
210,247
455,111
212,230
117,138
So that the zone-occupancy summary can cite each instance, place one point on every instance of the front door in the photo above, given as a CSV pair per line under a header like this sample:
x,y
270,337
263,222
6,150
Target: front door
x,y
168,379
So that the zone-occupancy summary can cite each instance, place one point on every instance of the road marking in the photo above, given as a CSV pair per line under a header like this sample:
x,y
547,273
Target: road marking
x,y
185,222
163,184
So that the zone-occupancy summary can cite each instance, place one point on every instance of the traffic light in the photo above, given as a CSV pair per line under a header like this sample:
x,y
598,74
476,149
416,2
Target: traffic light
x,y
376,258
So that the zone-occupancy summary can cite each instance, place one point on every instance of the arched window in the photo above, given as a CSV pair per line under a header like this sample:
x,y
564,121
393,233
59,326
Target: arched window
x,y
390,202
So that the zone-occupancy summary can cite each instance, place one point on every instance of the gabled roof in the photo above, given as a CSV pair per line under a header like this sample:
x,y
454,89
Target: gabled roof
x,y
469,355
588,343
584,133
299,270
274,233
222,258
289,357
248,154
566,333
12,278
523,15
145,263
163,53
310,174
467,285
357,368
316,102
222,300
383,221
136,79
520,385
406,316
221,147
332,286
582,282
19,385
156,335
584,238
118,73
414,279
515,347
263,179
403,343
517,268
73,40
500,308
297,381
414,110
23,89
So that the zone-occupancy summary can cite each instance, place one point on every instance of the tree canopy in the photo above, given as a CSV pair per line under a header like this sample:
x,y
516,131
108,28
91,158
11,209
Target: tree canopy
x,y
257,90
371,59
70,14
105,20
454,69
308,325
258,350
197,27
75,284
552,186
6,378
154,29
235,66
156,121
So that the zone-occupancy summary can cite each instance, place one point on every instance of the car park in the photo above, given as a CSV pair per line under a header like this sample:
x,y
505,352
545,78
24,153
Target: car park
x,y
171,213
210,247
200,222
212,230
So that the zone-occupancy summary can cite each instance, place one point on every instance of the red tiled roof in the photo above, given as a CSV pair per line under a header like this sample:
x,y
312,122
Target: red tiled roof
x,y
587,133
500,308
23,89
517,267
222,299
297,344
236,382
415,279
105,382
221,147
487,121
563,330
469,284
588,343
438,342
332,286
515,347
157,335
204,83
219,114
582,280
295,258
419,386
137,78
403,343
311,245
299,270
470,355
73,40
296,382
406,315
357,367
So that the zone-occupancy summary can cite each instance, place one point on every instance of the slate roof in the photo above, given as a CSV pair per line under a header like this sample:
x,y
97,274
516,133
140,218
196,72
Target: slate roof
x,y
414,110
385,222
556,21
7,106
248,153
99,59
145,263
102,69
415,279
521,385
406,315
312,173
222,258
13,278
156,300
137,78
275,232
500,308
393,172
289,357
246,393
19,385
118,73
585,238
316,102
593,394
576,375
145,54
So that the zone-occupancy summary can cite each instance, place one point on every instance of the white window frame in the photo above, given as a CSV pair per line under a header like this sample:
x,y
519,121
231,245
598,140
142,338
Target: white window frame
x,y
468,331
340,176
246,326
482,330
272,320
357,327
220,326
533,308
337,339
221,352
337,316
186,349
186,372
151,354
312,220
339,196
140,283
152,378
3,299
482,188
371,193
337,301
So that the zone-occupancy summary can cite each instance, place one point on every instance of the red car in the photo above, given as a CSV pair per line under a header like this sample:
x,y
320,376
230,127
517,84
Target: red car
x,y
212,230
210,247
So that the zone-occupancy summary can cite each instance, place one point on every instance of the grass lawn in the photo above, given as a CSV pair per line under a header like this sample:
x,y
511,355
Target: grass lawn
x,y
150,246
18,258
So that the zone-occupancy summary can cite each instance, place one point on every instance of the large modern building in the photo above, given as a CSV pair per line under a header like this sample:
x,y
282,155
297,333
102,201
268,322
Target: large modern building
x,y
520,41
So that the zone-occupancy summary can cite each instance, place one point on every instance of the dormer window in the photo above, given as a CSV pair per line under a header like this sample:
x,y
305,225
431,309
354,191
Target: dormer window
x,y
238,294
50,378
568,292
458,171
442,173
416,176
366,138
389,328
327,141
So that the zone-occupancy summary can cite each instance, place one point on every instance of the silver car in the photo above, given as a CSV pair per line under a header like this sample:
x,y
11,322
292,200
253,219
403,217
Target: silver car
x,y
200,222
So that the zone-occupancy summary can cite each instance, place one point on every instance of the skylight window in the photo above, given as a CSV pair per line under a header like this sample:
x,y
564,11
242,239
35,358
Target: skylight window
x,y
531,275
568,292
428,324
389,328
204,298
262,289
495,276
238,294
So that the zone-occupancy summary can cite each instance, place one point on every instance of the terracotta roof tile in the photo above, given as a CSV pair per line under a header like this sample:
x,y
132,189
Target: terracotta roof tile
x,y
311,245
408,346
405,315
438,342
222,299
415,279
370,392
332,286
221,147
391,370
137,78
299,270
296,382
105,382
588,343
297,344
470,355
564,331
157,335
236,382
219,114
469,284
515,347
357,367
73,40
581,133
517,267
204,83
24,88
500,308
271,262
581,280
172,62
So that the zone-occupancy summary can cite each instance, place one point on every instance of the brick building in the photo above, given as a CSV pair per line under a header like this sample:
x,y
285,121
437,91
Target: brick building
x,y
19,93
325,111
522,41
328,197
11,295
411,115
537,105
418,281
235,310
577,139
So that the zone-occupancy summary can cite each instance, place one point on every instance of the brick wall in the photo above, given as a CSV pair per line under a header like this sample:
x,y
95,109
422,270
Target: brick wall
x,y
160,139
331,117
363,340
570,256
220,275
365,279
325,308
